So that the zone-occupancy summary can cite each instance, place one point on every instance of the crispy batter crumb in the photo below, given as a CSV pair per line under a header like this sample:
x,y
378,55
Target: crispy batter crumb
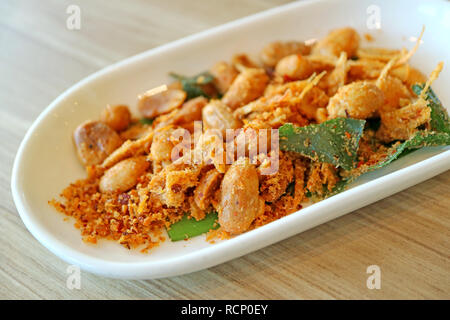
x,y
296,83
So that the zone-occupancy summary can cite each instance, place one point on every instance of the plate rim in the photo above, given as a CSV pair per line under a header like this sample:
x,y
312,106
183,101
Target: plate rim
x,y
144,269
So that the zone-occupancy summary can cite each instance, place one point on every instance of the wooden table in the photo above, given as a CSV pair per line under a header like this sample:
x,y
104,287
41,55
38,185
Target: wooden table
x,y
406,235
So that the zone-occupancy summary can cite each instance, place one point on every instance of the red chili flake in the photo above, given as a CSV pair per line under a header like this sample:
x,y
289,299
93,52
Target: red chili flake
x,y
360,163
348,135
286,78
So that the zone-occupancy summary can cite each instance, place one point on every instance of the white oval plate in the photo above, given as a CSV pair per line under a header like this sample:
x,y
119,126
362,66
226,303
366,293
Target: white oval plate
x,y
46,160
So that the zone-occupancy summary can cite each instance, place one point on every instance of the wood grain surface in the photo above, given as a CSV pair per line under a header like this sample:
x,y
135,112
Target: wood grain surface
x,y
406,235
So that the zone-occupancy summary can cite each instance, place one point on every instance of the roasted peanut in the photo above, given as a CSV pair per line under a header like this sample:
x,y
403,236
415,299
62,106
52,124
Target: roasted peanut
x,y
129,148
94,141
358,100
216,115
117,117
275,51
207,186
294,67
160,103
393,90
123,175
136,131
190,111
338,40
240,202
242,60
161,148
248,86
224,75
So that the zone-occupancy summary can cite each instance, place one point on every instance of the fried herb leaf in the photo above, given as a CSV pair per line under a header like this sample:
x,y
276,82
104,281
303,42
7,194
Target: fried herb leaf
x,y
334,141
193,85
146,120
189,227
439,117
419,140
